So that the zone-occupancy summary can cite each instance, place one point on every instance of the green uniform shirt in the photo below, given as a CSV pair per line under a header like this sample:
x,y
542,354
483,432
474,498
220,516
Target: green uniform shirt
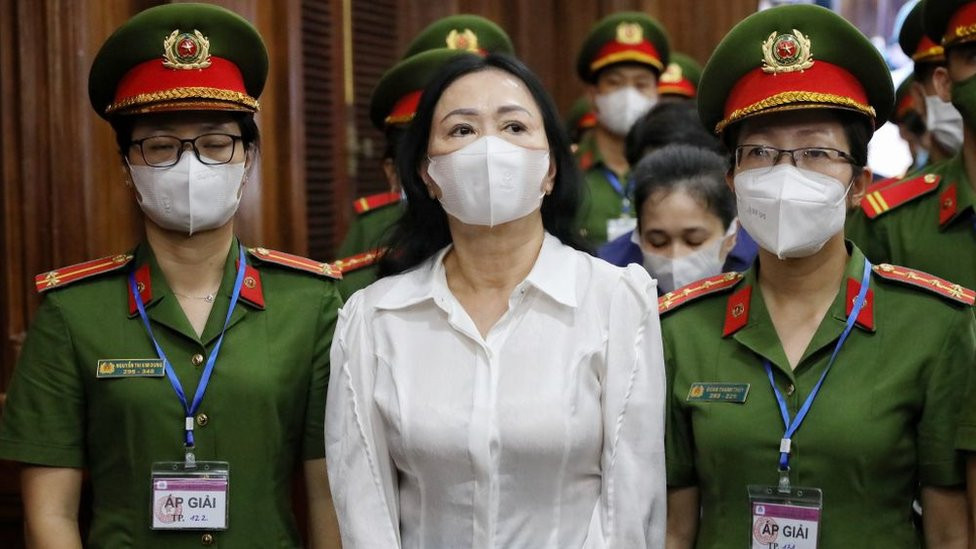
x,y
601,201
367,230
264,404
882,423
912,235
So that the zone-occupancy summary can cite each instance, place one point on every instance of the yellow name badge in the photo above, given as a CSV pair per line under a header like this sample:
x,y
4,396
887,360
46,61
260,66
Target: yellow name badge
x,y
718,392
130,367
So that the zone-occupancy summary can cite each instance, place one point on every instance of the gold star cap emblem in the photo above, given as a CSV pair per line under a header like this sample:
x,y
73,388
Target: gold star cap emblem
x,y
183,50
786,52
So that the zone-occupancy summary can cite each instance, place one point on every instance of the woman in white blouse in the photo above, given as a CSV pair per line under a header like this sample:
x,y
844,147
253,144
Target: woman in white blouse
x,y
497,388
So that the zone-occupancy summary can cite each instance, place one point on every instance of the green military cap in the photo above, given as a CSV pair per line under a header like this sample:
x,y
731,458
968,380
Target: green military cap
x,y
462,32
397,95
793,57
625,37
915,43
179,57
904,100
681,77
949,22
580,116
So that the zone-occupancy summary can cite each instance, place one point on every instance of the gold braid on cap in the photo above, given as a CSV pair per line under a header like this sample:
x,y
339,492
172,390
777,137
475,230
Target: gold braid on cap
x,y
184,94
795,100
959,35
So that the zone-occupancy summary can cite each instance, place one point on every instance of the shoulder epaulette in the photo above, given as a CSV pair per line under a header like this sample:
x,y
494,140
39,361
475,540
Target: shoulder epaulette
x,y
672,300
891,196
66,275
373,201
358,261
880,184
932,283
294,262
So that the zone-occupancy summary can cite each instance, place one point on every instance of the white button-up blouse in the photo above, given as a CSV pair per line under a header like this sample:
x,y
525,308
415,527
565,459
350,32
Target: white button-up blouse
x,y
547,433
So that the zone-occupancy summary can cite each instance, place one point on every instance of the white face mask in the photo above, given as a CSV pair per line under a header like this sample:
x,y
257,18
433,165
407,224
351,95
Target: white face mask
x,y
674,272
618,110
490,181
789,211
944,121
189,196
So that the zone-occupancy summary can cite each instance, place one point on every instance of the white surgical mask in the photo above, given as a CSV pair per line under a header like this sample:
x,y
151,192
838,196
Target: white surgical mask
x,y
789,211
944,121
674,272
618,110
189,196
490,181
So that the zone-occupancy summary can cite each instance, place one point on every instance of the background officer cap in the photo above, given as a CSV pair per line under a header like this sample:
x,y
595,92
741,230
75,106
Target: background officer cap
x,y
904,101
949,22
580,115
398,92
625,37
179,57
681,77
462,32
793,57
915,43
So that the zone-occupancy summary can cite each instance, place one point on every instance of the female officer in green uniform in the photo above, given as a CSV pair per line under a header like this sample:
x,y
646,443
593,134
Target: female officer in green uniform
x,y
188,377
811,397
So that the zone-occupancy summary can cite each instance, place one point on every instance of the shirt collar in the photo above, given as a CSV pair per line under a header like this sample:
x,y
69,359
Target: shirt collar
x,y
554,274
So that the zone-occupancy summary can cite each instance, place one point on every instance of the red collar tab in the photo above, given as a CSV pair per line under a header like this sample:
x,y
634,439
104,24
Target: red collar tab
x,y
737,311
925,281
296,262
962,25
373,201
672,300
948,205
893,195
66,275
144,285
251,290
358,261
586,161
865,318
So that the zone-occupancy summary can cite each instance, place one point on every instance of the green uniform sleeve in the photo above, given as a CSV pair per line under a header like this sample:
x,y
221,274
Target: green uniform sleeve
x,y
938,462
966,433
313,443
678,440
44,417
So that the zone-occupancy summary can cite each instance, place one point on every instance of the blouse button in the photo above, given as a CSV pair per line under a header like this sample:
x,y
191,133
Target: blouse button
x,y
790,389
206,539
202,420
197,359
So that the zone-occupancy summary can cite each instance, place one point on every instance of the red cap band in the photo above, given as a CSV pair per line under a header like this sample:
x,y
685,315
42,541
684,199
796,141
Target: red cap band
x,y
616,52
405,108
962,25
150,82
927,50
683,87
823,84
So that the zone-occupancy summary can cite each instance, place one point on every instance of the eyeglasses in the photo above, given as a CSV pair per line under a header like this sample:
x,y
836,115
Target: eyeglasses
x,y
820,159
163,151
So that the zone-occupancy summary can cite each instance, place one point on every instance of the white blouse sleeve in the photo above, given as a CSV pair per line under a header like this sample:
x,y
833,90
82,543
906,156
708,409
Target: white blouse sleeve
x,y
631,508
361,472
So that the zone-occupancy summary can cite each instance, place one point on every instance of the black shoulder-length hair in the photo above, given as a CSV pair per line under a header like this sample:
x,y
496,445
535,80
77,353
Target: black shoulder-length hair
x,y
422,229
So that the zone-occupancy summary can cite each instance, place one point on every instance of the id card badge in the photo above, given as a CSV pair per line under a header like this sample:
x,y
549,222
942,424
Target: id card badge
x,y
620,226
785,520
190,497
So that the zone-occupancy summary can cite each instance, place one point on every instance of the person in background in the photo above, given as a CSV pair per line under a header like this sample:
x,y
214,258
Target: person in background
x,y
680,80
580,121
187,377
620,62
943,123
686,228
911,126
666,124
812,396
448,424
392,107
928,220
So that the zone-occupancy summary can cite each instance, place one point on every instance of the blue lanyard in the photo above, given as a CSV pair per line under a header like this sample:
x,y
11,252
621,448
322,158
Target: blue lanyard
x,y
792,426
191,409
624,192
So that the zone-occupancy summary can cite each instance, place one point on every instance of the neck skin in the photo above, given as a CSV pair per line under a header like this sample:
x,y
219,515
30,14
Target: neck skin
x,y
969,155
804,281
611,147
192,265
493,259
